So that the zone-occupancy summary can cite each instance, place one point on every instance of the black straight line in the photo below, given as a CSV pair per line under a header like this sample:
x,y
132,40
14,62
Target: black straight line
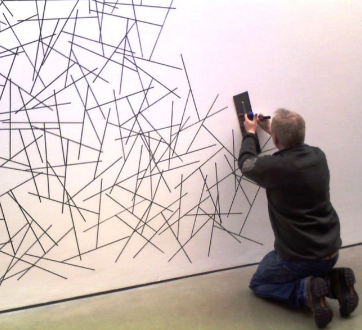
x,y
60,32
12,195
101,146
153,198
94,128
138,113
59,262
61,90
134,230
133,214
20,184
147,60
40,102
7,77
136,188
202,123
65,175
92,250
34,265
179,208
67,193
138,32
10,123
141,5
76,62
145,198
121,98
99,26
97,178
81,134
71,47
218,195
68,164
19,22
201,166
23,211
176,237
61,202
152,77
241,236
60,128
19,152
196,122
13,161
111,217
122,66
34,97
163,25
7,228
120,171
99,213
169,170
219,141
95,41
27,156
94,96
188,80
246,218
49,49
118,16
198,206
46,161
103,57
169,149
74,229
29,121
40,35
119,124
21,45
3,3
84,145
57,18
112,54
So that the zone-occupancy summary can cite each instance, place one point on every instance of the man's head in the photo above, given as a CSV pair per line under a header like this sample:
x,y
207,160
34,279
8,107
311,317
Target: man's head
x,y
288,129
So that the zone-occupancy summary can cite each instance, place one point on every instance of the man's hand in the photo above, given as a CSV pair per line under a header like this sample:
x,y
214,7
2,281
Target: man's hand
x,y
265,124
250,125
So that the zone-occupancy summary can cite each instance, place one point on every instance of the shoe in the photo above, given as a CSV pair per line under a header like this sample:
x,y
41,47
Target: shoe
x,y
341,282
317,291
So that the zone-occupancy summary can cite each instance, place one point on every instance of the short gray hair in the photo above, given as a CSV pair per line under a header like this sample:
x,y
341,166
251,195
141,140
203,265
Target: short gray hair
x,y
289,128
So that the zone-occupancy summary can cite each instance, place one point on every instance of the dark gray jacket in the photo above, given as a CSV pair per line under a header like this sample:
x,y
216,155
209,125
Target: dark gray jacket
x,y
296,180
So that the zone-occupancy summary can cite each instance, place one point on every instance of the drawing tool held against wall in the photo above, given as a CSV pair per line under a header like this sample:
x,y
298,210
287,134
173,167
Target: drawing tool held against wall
x,y
242,107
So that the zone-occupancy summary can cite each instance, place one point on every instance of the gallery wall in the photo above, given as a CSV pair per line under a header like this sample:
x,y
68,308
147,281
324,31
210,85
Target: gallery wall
x,y
119,136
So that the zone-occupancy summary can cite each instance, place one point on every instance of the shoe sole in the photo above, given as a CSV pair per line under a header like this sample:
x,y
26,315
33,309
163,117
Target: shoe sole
x,y
350,301
322,312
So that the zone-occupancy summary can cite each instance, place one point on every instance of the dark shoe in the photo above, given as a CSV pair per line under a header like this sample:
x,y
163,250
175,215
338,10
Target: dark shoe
x,y
341,281
317,291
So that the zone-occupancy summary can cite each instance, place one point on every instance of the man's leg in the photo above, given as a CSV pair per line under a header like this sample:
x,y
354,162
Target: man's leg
x,y
274,280
295,284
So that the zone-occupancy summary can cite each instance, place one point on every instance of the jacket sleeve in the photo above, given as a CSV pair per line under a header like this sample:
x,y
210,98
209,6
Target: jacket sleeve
x,y
264,170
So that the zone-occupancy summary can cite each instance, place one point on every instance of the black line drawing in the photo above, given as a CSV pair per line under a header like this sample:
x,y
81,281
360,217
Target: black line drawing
x,y
91,121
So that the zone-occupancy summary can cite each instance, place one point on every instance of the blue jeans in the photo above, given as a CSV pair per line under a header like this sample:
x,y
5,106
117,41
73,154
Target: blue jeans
x,y
287,281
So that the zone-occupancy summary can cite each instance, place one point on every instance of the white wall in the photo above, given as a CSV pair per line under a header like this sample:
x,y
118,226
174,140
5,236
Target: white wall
x,y
302,55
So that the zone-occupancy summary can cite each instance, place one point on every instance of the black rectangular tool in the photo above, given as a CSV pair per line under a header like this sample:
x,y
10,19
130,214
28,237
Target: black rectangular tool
x,y
242,103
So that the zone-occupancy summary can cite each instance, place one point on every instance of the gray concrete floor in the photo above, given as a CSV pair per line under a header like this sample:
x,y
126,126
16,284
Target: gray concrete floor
x,y
216,301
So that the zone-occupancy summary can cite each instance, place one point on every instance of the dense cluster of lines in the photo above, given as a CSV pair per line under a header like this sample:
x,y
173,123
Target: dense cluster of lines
x,y
44,149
